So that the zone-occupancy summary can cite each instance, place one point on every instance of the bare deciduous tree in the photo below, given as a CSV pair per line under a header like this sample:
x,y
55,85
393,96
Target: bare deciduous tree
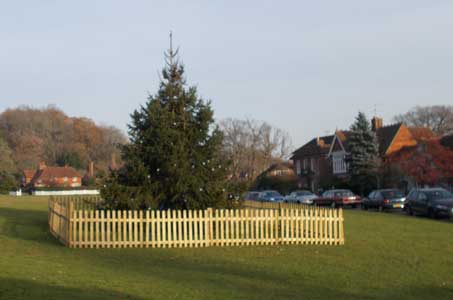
x,y
439,118
252,146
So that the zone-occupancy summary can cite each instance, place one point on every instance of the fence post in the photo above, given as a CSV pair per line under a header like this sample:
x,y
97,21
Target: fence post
x,y
278,226
48,209
209,226
70,222
341,228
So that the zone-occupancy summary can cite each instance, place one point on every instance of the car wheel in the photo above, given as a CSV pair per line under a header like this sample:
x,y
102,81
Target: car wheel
x,y
364,207
410,211
298,201
380,208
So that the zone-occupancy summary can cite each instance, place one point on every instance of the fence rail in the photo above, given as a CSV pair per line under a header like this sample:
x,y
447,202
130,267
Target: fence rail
x,y
274,205
91,228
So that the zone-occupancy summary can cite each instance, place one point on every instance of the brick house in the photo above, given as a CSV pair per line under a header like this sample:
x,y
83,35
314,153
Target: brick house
x,y
324,159
45,176
280,170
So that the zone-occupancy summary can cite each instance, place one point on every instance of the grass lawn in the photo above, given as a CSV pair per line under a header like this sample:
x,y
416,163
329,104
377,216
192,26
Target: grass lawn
x,y
386,256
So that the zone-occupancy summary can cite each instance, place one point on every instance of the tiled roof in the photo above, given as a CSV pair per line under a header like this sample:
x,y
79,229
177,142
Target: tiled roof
x,y
58,172
386,135
316,146
47,174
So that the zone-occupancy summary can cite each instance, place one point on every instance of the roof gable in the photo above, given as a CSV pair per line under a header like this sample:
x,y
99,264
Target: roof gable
x,y
340,141
393,138
386,136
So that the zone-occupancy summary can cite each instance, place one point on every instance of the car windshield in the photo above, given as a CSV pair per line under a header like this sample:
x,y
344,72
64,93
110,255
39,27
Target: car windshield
x,y
303,193
438,194
251,195
344,194
272,194
392,194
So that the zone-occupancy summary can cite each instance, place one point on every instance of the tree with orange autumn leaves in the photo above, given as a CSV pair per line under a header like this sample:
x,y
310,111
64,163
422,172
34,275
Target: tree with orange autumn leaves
x,y
31,135
428,163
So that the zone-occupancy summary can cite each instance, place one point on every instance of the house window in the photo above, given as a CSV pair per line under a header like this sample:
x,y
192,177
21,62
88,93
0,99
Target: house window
x,y
305,164
312,164
74,179
339,164
65,179
298,167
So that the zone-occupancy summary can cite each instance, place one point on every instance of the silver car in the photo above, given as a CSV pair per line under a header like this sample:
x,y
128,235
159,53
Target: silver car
x,y
301,196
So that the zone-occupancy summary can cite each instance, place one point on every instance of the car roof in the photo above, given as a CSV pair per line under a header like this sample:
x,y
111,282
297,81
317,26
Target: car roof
x,y
387,190
340,190
431,189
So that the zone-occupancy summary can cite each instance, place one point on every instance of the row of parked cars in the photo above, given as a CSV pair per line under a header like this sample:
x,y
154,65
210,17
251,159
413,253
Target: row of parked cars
x,y
433,202
333,198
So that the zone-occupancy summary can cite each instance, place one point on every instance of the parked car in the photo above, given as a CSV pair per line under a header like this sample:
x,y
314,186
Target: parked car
x,y
335,198
433,202
270,195
253,195
301,196
384,200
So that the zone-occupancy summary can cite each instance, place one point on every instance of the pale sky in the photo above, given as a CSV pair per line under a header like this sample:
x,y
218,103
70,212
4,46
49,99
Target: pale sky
x,y
304,66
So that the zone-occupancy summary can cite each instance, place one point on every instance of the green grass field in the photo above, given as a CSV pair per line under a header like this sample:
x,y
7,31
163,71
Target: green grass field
x,y
386,256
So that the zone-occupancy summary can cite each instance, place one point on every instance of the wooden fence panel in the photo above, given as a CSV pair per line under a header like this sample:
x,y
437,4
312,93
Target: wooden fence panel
x,y
78,227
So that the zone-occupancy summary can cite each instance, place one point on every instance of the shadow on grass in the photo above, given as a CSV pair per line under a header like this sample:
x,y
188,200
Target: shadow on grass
x,y
28,225
27,289
220,279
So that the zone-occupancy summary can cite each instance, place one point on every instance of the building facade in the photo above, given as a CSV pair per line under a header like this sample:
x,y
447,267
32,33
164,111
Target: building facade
x,y
44,177
323,161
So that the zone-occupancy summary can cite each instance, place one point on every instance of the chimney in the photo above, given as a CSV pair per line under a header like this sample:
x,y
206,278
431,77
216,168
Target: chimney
x,y
91,169
319,142
41,165
376,123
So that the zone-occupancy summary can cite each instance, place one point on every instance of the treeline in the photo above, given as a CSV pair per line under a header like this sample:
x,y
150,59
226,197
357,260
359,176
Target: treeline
x,y
30,135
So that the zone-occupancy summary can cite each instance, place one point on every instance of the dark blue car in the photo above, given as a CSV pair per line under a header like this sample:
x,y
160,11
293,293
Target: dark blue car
x,y
271,196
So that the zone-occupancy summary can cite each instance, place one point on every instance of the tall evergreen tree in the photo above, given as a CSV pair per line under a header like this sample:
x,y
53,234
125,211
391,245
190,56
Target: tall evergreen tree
x,y
174,157
364,160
